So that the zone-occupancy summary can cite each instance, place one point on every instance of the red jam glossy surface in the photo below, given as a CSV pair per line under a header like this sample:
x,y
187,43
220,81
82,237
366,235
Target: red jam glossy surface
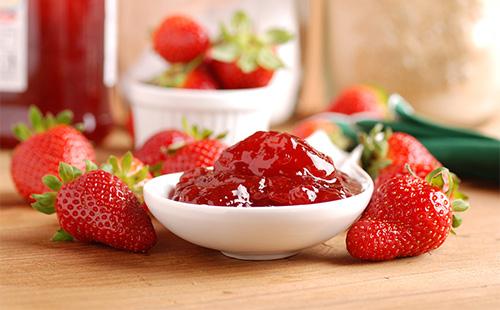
x,y
266,169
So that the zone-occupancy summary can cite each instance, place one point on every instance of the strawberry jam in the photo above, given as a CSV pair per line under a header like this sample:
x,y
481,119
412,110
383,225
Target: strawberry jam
x,y
266,169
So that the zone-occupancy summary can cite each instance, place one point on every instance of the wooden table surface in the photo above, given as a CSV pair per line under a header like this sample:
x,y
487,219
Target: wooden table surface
x,y
38,273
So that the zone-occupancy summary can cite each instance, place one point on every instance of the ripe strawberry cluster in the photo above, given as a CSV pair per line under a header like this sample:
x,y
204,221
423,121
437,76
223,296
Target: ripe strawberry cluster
x,y
237,58
53,168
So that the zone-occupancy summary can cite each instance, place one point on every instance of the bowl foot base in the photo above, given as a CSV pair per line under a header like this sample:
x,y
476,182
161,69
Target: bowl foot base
x,y
257,256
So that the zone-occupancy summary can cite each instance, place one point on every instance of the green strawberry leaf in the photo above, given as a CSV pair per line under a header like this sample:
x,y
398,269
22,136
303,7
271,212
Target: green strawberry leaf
x,y
224,33
44,203
68,173
241,22
225,52
277,36
36,119
49,121
64,117
90,166
141,174
269,60
21,132
52,182
127,162
456,221
459,205
247,62
156,169
107,167
442,179
221,136
62,235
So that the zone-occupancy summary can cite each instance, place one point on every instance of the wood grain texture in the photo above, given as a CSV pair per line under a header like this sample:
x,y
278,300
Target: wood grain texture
x,y
37,273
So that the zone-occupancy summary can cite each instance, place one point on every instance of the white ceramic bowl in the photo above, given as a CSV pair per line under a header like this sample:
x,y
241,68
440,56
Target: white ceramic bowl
x,y
256,233
238,112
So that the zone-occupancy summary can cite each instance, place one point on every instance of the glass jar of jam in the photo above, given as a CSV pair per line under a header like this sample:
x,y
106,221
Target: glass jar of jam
x,y
57,55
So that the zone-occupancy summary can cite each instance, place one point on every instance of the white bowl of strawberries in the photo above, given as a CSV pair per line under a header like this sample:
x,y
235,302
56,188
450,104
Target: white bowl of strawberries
x,y
225,84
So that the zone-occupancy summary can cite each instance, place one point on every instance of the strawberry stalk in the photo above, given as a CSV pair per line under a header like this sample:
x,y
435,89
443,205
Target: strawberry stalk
x,y
39,123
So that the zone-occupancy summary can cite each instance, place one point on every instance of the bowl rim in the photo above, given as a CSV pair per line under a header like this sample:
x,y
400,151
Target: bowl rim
x,y
142,94
170,203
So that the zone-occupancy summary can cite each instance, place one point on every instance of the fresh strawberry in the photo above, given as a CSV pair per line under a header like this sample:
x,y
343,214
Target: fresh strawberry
x,y
96,206
307,127
193,75
202,152
154,151
180,39
360,99
385,154
407,216
49,141
243,59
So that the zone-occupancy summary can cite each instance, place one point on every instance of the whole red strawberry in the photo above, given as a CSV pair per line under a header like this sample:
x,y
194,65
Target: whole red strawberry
x,y
180,39
243,59
385,155
49,141
96,206
202,152
360,99
407,216
154,150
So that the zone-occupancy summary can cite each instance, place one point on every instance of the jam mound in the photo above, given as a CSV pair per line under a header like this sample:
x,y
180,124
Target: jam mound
x,y
266,169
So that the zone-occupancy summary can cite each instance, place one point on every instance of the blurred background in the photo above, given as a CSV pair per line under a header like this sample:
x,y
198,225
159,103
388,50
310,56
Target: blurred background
x,y
442,56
